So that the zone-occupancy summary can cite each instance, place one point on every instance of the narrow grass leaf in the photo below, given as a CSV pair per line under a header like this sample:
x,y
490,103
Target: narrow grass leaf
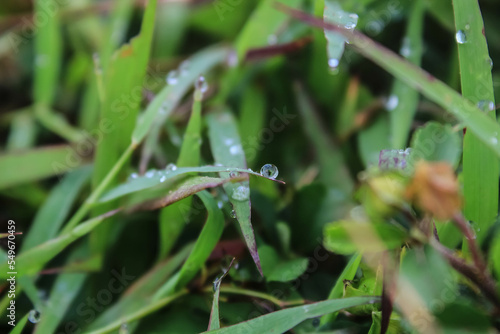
x,y
160,176
18,329
337,291
54,211
214,322
403,100
205,243
284,320
227,150
31,261
480,166
17,167
251,121
172,218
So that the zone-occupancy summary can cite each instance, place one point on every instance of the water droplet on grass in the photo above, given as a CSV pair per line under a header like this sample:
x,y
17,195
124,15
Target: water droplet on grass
x,y
405,50
490,62
171,167
333,63
272,39
233,214
235,149
132,176
461,37
163,178
123,329
270,171
241,193
172,77
184,67
150,173
233,174
486,105
201,84
352,21
392,102
34,316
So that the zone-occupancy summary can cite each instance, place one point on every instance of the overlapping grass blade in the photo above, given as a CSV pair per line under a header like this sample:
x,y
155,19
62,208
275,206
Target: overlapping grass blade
x,y
227,150
480,165
172,219
284,320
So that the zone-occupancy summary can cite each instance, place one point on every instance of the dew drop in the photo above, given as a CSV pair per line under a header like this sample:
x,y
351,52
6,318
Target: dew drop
x,y
467,26
172,77
216,284
333,63
201,84
228,141
171,167
490,62
34,316
405,50
270,171
220,204
486,105
184,68
233,214
150,173
132,177
232,59
392,102
461,37
123,329
233,174
353,21
235,149
272,39
494,140
163,178
241,193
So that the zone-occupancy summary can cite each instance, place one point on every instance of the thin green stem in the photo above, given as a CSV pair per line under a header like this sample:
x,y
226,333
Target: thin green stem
x,y
256,294
94,196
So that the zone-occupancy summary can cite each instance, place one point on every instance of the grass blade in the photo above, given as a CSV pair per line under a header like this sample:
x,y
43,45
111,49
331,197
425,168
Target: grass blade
x,y
205,243
480,166
406,98
18,329
284,320
18,168
226,148
214,322
172,219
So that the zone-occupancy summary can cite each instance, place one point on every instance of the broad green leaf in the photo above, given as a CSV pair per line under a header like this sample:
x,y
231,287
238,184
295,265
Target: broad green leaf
x,y
436,142
122,94
17,167
56,208
227,150
348,237
31,261
264,22
284,320
480,165
157,177
172,219
337,291
280,270
208,238
403,100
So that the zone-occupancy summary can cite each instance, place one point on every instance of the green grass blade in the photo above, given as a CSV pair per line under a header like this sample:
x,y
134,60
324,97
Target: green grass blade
x,y
480,166
284,320
170,96
406,98
18,329
214,322
31,261
123,82
338,289
255,33
138,295
161,176
251,122
205,243
64,290
465,111
55,210
17,167
172,219
22,132
226,148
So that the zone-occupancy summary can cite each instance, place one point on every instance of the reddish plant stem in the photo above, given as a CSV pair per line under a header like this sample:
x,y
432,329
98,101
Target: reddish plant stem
x,y
469,234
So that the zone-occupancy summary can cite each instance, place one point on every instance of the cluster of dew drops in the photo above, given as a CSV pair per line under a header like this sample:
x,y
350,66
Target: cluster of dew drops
x,y
173,77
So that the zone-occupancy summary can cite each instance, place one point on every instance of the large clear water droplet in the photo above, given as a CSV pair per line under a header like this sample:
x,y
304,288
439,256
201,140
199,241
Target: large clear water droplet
x,y
184,67
392,102
172,77
241,193
461,37
270,171
201,84
486,105
351,21
34,316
